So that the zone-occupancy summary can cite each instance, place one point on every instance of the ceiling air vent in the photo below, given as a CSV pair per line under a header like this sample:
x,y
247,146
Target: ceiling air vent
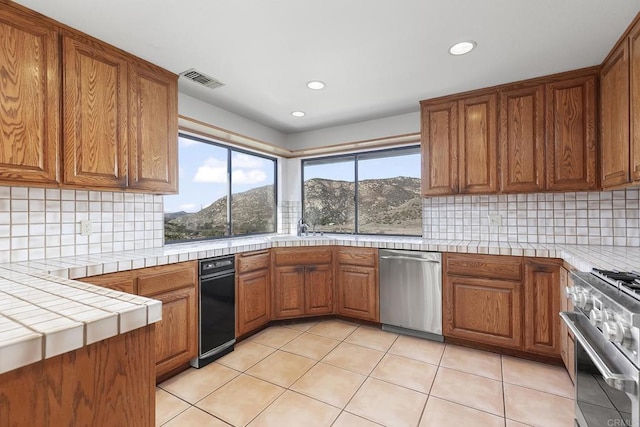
x,y
200,78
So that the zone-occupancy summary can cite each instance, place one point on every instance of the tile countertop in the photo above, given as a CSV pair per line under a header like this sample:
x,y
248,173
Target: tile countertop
x,y
43,313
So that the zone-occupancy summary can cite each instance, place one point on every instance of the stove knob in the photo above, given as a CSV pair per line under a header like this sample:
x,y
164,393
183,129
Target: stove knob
x,y
595,317
583,300
569,291
607,315
616,332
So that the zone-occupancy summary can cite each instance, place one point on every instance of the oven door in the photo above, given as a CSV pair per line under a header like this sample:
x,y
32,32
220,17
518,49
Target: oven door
x,y
606,381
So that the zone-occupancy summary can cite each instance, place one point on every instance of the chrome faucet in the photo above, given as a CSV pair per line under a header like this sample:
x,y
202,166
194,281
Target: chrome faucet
x,y
302,227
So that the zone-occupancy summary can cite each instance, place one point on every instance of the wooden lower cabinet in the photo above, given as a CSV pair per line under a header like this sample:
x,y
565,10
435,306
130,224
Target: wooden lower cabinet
x,y
288,292
567,349
253,300
318,293
483,310
358,295
122,281
541,307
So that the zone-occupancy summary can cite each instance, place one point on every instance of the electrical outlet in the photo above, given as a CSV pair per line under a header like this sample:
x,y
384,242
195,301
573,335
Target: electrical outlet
x,y
85,227
495,220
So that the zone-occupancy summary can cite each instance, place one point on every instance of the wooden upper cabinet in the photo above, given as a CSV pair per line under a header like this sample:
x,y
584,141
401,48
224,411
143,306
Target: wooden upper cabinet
x,y
478,144
571,134
29,105
439,148
614,119
95,114
153,129
522,142
634,86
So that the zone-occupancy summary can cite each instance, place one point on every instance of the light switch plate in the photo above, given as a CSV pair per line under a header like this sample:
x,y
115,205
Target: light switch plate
x,y
495,220
85,227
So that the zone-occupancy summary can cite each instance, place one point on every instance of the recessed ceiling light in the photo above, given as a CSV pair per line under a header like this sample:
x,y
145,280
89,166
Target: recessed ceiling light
x,y
462,47
298,114
315,84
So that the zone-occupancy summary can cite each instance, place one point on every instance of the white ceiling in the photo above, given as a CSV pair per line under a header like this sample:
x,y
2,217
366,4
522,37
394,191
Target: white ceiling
x,y
377,57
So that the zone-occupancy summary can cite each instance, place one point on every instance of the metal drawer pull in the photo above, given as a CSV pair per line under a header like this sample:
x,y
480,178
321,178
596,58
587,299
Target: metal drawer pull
x,y
410,259
617,381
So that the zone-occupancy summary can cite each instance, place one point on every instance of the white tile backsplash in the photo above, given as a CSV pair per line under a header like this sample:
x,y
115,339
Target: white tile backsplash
x,y
38,223
594,218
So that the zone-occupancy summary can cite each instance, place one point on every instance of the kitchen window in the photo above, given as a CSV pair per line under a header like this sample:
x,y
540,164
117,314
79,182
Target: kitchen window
x,y
210,175
376,192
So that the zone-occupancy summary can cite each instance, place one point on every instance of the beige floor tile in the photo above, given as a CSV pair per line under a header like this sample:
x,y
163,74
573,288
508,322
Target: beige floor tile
x,y
240,400
354,358
335,329
511,423
168,406
418,349
194,384
539,376
281,368
408,373
329,384
387,404
440,413
473,361
195,417
245,355
311,346
301,326
537,408
275,336
469,390
293,409
373,338
349,420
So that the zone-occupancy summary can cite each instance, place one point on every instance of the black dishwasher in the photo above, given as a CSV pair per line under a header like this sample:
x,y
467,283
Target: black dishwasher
x,y
216,329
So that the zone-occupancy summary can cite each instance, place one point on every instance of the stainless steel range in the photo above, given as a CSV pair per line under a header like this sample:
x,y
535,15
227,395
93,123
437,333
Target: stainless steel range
x,y
606,326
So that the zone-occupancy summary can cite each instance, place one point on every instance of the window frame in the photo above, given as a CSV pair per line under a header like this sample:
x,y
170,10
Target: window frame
x,y
355,156
229,226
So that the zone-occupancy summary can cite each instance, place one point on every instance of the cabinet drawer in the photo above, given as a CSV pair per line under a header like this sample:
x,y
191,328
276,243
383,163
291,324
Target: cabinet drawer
x,y
252,261
300,256
166,278
485,266
122,281
357,256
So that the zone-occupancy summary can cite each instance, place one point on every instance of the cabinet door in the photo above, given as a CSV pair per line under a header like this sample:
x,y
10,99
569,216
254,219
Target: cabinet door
x,y
95,115
122,281
318,298
571,134
29,105
439,148
176,333
153,124
288,292
634,85
478,144
253,299
522,139
614,121
541,308
483,310
357,289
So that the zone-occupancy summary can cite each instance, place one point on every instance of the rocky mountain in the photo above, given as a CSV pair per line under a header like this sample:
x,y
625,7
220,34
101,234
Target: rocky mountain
x,y
387,206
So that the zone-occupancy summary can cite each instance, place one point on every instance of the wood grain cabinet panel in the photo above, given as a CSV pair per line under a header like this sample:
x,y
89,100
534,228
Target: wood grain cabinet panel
x,y
483,310
571,134
95,114
634,87
29,105
439,148
478,144
318,293
122,281
253,291
614,118
484,266
358,292
522,141
541,307
288,292
153,129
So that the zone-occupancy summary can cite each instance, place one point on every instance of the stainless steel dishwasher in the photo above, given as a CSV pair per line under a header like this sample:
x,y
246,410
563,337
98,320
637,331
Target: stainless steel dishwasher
x,y
411,293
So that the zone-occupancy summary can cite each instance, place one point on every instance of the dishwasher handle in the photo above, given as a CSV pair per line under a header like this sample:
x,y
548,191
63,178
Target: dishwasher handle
x,y
408,258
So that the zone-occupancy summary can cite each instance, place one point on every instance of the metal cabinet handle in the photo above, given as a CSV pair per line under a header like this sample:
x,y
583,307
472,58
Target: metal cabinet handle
x,y
410,259
617,381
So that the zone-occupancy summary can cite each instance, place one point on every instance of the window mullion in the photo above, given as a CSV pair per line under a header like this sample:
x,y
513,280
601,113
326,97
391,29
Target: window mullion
x,y
355,194
229,201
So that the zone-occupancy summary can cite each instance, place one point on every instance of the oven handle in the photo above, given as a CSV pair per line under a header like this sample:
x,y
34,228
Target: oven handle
x,y
617,381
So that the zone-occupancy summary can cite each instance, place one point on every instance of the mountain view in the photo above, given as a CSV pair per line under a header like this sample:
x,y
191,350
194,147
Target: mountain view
x,y
387,206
